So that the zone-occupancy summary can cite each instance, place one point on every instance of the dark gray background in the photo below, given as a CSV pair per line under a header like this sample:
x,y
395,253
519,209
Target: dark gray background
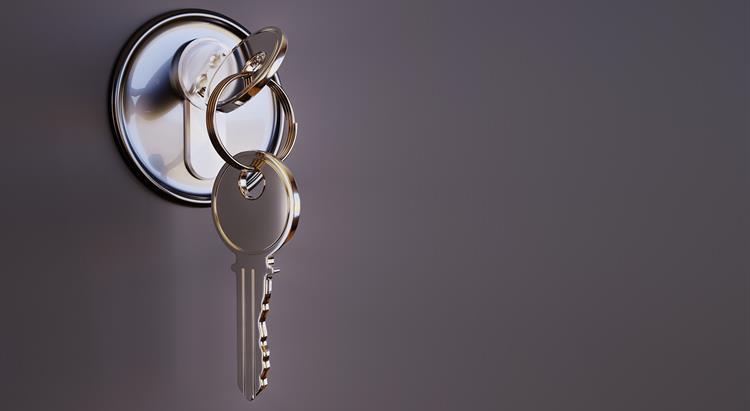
x,y
506,205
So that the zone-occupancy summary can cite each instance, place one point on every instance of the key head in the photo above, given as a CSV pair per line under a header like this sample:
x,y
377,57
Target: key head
x,y
255,219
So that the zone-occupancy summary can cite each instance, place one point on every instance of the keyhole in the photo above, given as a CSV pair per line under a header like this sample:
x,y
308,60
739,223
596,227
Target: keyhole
x,y
252,184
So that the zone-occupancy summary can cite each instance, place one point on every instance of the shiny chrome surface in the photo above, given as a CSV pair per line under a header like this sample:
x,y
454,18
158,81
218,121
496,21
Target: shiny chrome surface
x,y
148,113
254,228
194,64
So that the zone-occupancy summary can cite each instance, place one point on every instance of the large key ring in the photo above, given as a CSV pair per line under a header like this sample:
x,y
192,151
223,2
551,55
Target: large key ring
x,y
252,81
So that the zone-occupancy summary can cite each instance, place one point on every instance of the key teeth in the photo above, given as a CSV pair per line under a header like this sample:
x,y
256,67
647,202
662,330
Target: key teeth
x,y
263,331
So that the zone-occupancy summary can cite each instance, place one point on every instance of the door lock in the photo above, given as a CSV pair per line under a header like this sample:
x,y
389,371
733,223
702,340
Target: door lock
x,y
168,128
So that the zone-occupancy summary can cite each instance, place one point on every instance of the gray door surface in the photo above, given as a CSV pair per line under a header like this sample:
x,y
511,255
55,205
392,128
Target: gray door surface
x,y
505,206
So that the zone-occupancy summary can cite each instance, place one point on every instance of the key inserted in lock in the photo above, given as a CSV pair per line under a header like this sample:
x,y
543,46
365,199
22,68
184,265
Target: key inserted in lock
x,y
161,84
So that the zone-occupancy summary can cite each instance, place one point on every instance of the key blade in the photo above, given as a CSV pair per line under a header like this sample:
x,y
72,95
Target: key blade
x,y
254,276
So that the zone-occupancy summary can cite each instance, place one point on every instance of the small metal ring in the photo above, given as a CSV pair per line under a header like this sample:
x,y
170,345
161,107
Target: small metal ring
x,y
249,179
279,94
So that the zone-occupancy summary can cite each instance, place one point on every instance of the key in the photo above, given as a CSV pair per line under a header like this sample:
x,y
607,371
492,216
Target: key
x,y
255,211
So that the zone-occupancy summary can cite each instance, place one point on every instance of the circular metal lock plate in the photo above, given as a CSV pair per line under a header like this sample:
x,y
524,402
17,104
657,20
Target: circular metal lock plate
x,y
151,117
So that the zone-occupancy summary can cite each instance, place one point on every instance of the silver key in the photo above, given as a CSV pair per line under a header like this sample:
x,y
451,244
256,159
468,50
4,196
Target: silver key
x,y
255,212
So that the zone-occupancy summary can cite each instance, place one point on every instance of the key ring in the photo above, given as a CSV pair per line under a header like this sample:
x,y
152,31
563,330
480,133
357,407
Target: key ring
x,y
252,82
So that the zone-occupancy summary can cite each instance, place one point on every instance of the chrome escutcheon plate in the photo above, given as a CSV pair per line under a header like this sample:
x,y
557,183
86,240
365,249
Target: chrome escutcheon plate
x,y
151,117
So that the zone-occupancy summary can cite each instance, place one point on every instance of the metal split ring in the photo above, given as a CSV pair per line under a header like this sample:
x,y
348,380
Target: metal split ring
x,y
252,82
